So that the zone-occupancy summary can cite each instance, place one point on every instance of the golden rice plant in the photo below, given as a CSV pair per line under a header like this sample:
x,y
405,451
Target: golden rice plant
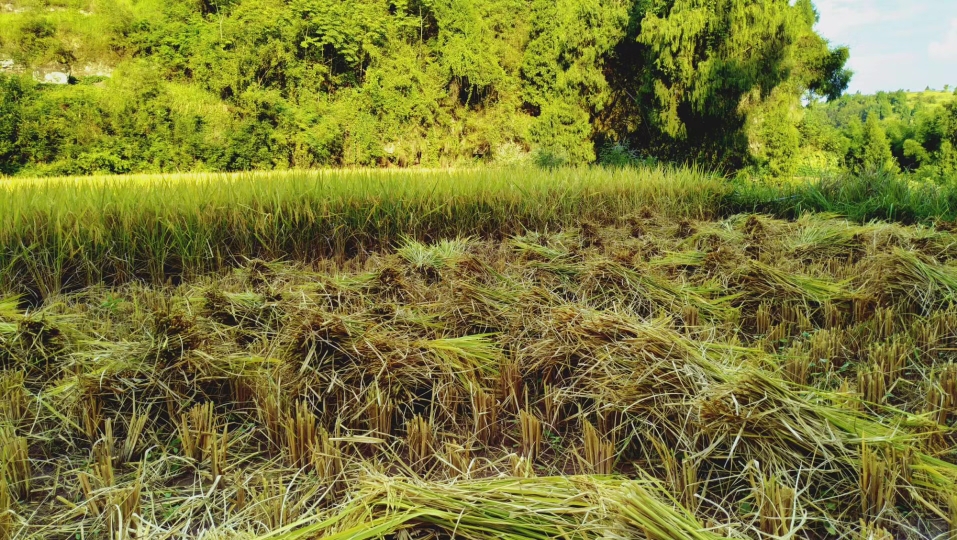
x,y
796,314
825,345
15,462
134,434
419,438
200,438
681,473
459,459
14,405
241,492
833,316
484,416
242,388
904,461
6,512
275,506
776,506
927,339
197,429
91,414
489,355
327,459
510,386
209,221
119,505
884,323
655,518
863,309
946,322
871,531
123,511
763,320
531,435
691,316
797,365
890,358
599,452
301,435
941,400
379,411
97,484
953,516
871,383
878,484
551,399
775,336
270,414
521,467
778,333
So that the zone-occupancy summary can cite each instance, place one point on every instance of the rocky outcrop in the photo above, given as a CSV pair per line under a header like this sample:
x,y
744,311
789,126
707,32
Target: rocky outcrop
x,y
53,77
57,73
52,74
7,65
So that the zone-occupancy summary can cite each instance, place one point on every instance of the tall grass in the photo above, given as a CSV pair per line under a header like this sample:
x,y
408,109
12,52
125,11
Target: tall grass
x,y
63,234
865,197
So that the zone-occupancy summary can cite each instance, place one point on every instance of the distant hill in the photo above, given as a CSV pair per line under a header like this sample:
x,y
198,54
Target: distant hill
x,y
931,98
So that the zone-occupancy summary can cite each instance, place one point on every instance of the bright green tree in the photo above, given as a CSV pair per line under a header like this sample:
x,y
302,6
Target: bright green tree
x,y
701,68
875,150
12,94
236,84
564,72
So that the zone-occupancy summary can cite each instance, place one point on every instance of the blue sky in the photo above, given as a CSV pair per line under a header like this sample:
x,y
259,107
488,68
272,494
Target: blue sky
x,y
895,44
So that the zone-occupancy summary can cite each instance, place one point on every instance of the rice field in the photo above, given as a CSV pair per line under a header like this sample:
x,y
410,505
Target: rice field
x,y
580,354
67,234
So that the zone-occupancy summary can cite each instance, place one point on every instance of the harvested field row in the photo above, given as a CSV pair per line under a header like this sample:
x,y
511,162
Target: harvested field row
x,y
657,378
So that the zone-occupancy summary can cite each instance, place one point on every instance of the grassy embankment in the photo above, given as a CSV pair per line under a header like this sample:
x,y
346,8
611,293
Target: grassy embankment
x,y
580,354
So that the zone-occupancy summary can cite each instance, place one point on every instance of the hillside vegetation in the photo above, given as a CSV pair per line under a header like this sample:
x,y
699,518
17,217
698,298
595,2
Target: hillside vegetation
x,y
896,131
263,84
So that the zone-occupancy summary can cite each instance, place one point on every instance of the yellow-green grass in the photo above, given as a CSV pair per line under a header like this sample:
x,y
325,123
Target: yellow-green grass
x,y
66,233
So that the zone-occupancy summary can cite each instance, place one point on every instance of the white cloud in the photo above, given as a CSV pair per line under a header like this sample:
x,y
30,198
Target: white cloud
x,y
946,48
873,72
838,17
890,41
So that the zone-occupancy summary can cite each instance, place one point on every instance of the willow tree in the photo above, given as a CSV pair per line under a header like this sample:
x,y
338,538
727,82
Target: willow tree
x,y
694,71
563,71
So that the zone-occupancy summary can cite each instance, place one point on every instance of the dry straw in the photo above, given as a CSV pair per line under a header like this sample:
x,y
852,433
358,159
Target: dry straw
x,y
701,380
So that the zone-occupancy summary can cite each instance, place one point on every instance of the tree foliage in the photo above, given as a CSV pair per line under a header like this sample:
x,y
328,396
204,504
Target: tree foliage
x,y
914,132
238,84
706,66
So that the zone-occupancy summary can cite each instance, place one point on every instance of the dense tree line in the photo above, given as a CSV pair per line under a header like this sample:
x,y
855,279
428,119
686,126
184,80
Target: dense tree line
x,y
239,84
896,131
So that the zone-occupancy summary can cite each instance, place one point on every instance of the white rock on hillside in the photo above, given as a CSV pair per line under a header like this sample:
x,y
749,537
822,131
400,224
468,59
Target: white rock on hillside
x,y
52,77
